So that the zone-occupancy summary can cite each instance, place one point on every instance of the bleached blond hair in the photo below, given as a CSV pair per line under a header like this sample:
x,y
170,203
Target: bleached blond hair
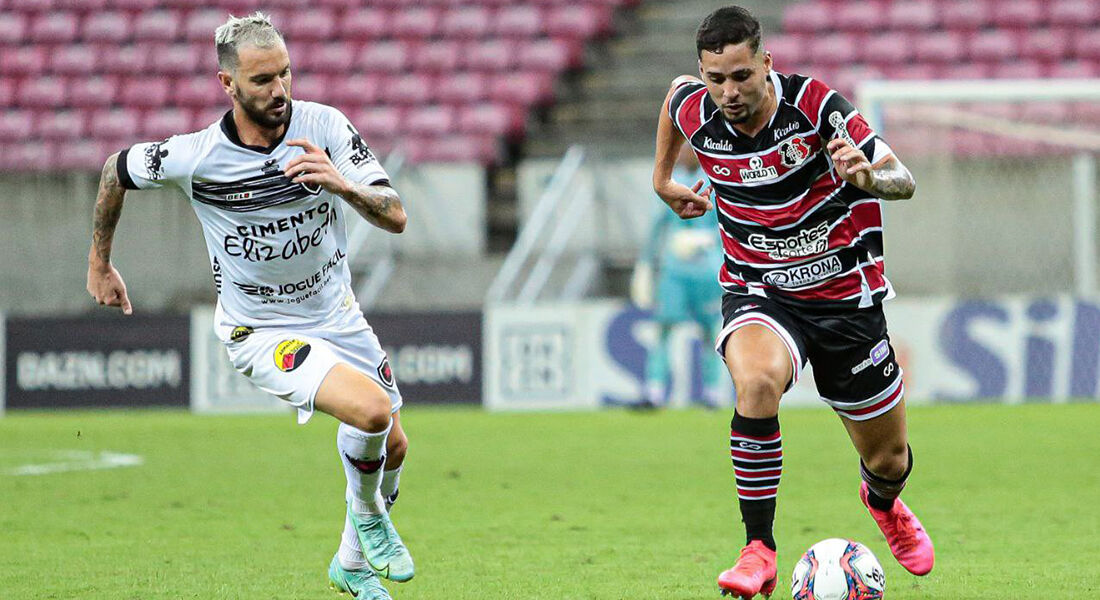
x,y
254,30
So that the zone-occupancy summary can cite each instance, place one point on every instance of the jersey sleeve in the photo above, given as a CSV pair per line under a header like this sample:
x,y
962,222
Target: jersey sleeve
x,y
840,119
677,100
351,155
150,165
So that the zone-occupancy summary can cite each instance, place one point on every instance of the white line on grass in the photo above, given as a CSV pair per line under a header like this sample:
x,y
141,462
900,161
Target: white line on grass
x,y
79,461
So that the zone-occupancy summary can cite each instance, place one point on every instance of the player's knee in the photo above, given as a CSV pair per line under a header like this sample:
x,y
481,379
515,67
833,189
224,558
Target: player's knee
x,y
889,462
371,415
759,391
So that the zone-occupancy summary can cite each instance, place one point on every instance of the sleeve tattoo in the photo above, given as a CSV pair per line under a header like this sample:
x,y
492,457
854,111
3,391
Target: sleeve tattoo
x,y
892,181
379,204
108,209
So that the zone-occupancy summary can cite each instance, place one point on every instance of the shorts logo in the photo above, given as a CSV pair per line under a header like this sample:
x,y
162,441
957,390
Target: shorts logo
x,y
804,274
877,355
757,171
749,306
793,152
290,354
385,373
240,333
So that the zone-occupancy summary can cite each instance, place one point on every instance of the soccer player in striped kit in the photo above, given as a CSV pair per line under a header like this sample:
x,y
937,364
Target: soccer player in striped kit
x,y
798,178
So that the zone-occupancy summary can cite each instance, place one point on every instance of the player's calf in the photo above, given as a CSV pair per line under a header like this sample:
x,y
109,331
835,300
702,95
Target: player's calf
x,y
909,542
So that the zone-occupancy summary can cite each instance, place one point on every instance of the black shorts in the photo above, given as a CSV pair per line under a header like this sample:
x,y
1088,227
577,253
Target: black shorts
x,y
855,369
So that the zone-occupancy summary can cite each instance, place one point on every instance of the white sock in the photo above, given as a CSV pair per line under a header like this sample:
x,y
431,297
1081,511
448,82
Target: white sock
x,y
363,455
390,480
350,554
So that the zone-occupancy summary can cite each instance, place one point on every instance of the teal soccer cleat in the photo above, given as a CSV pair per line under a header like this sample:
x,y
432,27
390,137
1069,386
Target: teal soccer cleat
x,y
385,551
361,584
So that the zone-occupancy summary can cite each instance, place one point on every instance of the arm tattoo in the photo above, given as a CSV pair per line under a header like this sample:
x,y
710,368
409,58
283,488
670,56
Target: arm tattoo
x,y
378,204
108,208
892,181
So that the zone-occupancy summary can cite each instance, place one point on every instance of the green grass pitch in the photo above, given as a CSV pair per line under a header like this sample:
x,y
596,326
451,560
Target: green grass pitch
x,y
588,506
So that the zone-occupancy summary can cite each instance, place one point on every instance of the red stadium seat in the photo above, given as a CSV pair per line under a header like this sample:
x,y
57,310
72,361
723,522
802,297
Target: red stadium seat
x,y
1086,46
30,5
913,16
968,70
60,125
1046,112
82,155
125,60
88,92
315,24
199,91
365,23
463,88
7,91
453,148
356,91
1074,13
994,46
1022,69
518,21
337,58
42,92
200,24
551,55
467,22
28,60
144,92
438,57
86,6
118,123
13,28
433,120
860,16
377,122
177,59
415,22
158,26
1020,14
314,87
15,125
386,57
786,49
940,47
914,71
1046,44
73,60
205,117
165,122
491,55
108,27
135,5
579,20
410,89
1074,69
835,49
885,49
969,15
847,79
530,88
54,27
808,17
492,119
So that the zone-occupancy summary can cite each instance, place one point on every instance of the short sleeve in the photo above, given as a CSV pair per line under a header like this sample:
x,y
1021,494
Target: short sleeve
x,y
150,165
351,155
840,119
679,96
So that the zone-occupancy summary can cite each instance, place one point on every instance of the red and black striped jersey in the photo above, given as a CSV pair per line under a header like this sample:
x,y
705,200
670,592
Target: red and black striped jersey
x,y
791,228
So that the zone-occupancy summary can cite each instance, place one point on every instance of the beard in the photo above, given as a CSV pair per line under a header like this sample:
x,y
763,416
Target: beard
x,y
260,115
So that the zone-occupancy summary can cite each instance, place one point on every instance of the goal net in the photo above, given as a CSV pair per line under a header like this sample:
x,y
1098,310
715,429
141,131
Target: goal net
x,y
1006,184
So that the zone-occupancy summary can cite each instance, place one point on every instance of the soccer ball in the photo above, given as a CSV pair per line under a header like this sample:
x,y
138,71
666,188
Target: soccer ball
x,y
837,569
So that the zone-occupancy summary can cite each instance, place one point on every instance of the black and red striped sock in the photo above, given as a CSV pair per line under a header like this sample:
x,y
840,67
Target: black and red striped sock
x,y
757,451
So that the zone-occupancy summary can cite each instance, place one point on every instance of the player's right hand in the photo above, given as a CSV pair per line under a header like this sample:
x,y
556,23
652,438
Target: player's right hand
x,y
108,288
687,202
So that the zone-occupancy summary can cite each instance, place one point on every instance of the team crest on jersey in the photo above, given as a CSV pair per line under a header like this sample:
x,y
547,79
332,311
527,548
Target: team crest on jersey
x,y
240,333
385,373
757,171
290,354
271,167
154,160
841,127
793,152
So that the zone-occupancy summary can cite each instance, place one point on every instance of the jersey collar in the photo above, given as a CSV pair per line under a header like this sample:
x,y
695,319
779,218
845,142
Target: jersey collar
x,y
229,128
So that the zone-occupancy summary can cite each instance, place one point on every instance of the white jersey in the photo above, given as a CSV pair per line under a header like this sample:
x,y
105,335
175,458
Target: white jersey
x,y
278,249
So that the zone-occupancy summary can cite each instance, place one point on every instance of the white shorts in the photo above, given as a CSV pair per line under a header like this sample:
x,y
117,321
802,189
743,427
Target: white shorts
x,y
291,364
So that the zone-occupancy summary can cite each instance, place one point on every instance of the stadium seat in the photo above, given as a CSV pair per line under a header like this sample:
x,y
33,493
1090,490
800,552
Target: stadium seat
x,y
1018,69
530,88
384,56
125,59
885,49
117,123
440,56
430,121
409,89
467,22
415,22
914,71
966,70
482,149
144,92
199,91
786,49
492,119
82,155
108,27
85,6
135,5
1020,14
31,5
42,92
1074,69
968,15
207,116
463,88
1074,13
365,23
92,92
940,47
13,28
176,59
27,60
994,46
496,54
156,26
551,55
314,87
164,122
73,59
331,57
54,27
808,17
1086,45
847,79
834,49
315,24
377,122
518,21
7,91
355,90
859,16
913,16
1046,112
578,21
15,124
200,24
60,124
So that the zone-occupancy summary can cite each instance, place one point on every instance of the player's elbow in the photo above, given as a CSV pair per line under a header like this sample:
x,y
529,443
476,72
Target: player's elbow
x,y
398,221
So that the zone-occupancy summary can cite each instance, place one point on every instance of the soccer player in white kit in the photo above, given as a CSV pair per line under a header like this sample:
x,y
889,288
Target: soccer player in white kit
x,y
266,183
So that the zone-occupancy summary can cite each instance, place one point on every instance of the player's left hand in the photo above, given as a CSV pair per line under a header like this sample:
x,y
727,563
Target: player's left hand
x,y
315,168
851,163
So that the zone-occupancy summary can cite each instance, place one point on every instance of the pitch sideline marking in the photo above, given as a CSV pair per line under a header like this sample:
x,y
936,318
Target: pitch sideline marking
x,y
79,461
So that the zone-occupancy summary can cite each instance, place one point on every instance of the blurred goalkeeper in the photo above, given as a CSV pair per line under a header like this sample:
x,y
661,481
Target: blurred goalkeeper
x,y
686,254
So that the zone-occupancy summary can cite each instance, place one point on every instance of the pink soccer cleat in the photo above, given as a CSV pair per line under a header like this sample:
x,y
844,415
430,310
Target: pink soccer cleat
x,y
908,541
753,574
